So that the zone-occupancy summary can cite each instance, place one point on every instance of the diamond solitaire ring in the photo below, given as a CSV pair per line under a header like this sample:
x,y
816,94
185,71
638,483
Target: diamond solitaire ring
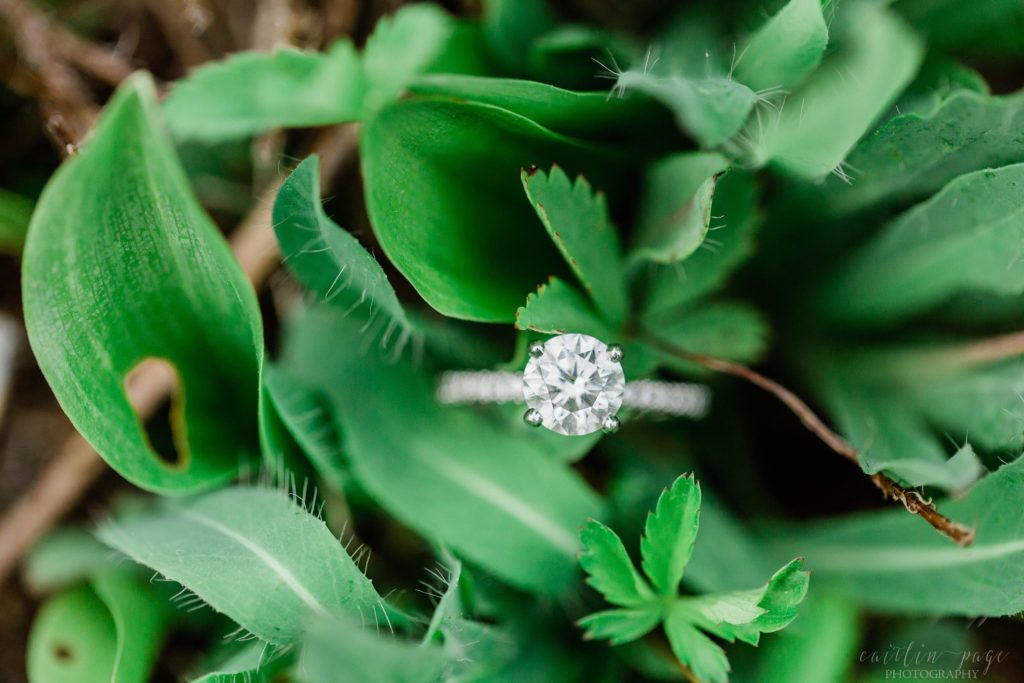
x,y
573,384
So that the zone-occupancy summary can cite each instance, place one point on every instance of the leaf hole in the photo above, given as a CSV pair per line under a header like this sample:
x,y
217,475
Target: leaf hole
x,y
154,387
63,653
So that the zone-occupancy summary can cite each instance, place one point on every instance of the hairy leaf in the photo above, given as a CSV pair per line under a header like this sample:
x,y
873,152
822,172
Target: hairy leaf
x,y
675,207
252,554
452,474
670,534
890,562
609,569
966,238
253,662
577,220
786,48
821,122
331,262
122,265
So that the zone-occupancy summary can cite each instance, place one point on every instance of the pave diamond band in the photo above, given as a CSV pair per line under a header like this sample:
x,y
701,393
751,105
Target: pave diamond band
x,y
574,384
669,399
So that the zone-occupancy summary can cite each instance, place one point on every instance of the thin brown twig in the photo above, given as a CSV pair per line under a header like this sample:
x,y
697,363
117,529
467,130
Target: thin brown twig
x,y
66,479
913,501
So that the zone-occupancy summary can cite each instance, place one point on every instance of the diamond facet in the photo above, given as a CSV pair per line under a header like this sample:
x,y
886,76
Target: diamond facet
x,y
574,384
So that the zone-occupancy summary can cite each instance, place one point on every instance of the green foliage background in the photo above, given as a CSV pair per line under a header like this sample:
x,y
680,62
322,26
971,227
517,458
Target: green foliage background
x,y
829,189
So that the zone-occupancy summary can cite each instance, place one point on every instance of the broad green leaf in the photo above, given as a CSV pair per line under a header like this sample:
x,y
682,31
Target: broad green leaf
x,y
454,475
939,78
15,213
966,238
566,54
787,47
609,570
672,286
435,171
335,651
821,645
694,649
589,115
670,534
577,220
711,109
619,626
891,562
990,29
402,46
252,92
73,639
330,262
725,329
822,121
675,206
512,26
252,554
122,265
556,308
253,662
914,155
63,558
141,617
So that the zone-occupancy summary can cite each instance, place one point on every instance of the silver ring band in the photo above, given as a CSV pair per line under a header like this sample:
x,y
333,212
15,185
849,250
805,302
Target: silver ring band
x,y
669,399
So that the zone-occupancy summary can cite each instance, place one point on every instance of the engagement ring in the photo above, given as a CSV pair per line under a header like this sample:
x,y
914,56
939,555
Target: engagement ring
x,y
573,384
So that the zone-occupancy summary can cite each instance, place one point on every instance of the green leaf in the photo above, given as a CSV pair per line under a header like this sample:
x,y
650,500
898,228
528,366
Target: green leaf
x,y
331,262
966,238
694,649
821,122
73,639
122,265
141,617
252,554
512,26
455,475
785,49
589,115
779,600
577,220
821,645
15,214
724,329
63,558
401,47
253,662
435,171
619,626
890,562
251,92
914,155
711,110
938,79
675,206
991,29
609,570
671,287
557,308
365,656
670,534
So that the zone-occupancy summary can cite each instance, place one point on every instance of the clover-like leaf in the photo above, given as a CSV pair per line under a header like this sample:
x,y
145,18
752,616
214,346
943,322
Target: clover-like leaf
x,y
122,265
786,48
557,308
670,534
609,569
252,554
331,262
619,626
577,220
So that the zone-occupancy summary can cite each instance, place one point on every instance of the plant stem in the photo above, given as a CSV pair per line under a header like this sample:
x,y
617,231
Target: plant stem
x,y
66,479
913,501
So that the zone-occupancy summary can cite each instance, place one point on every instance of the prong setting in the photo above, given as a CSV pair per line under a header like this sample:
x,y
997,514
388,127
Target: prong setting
x,y
533,418
610,425
536,349
615,353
